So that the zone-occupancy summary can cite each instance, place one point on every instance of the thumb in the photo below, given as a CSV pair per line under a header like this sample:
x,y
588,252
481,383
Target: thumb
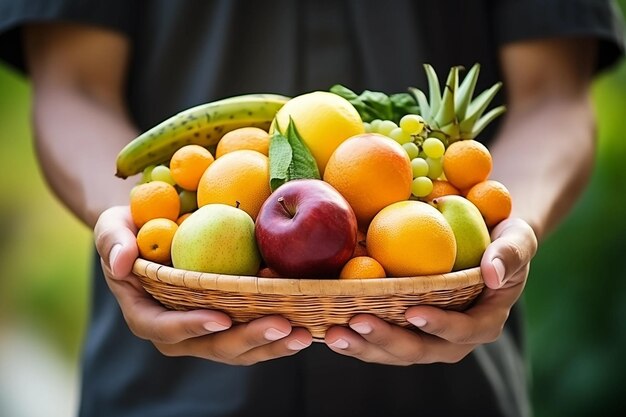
x,y
115,240
513,247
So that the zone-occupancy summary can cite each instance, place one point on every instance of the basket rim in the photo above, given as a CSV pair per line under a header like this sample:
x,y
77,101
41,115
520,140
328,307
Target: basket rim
x,y
290,286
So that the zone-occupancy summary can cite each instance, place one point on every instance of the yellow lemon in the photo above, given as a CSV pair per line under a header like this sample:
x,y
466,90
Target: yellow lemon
x,y
323,121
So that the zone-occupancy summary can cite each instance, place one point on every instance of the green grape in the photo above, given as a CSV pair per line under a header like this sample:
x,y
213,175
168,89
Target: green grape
x,y
433,148
375,125
367,127
420,167
162,173
146,175
386,126
411,149
413,124
188,201
435,168
421,186
400,136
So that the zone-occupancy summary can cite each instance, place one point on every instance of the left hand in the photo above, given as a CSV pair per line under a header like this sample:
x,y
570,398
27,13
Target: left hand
x,y
448,336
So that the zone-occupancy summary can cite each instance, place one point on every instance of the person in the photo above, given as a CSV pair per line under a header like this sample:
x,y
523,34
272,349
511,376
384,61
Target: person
x,y
102,72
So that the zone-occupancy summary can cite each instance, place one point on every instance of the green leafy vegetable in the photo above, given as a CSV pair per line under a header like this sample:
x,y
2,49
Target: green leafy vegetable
x,y
290,158
376,105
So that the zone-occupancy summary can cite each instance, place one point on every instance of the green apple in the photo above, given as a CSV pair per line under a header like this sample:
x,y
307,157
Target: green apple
x,y
470,231
217,238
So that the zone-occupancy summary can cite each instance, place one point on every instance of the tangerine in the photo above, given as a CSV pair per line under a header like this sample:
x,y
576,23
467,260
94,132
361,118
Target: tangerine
x,y
182,218
188,164
252,138
371,171
152,200
362,267
466,162
441,188
239,178
411,238
493,200
154,240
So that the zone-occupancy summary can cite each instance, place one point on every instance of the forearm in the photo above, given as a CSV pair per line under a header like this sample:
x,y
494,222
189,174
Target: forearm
x,y
77,140
80,118
544,155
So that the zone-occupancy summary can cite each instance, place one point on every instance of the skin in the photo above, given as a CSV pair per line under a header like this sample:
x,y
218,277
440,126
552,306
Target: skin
x,y
549,112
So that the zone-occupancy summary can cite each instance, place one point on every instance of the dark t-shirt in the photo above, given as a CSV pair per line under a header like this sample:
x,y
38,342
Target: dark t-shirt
x,y
188,52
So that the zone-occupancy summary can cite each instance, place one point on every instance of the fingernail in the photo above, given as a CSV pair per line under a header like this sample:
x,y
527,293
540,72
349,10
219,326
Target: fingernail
x,y
213,326
340,344
295,345
417,321
498,265
272,334
115,252
361,328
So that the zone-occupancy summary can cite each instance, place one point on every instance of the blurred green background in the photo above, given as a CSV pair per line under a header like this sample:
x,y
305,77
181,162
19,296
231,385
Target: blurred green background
x,y
575,298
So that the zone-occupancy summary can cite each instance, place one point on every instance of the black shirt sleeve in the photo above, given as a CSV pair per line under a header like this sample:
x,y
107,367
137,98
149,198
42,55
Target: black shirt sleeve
x,y
117,15
518,20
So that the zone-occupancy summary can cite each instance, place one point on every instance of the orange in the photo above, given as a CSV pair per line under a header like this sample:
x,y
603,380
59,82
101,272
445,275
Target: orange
x,y
182,218
441,188
323,120
411,238
154,240
252,138
371,171
188,164
492,199
466,162
152,200
362,267
239,178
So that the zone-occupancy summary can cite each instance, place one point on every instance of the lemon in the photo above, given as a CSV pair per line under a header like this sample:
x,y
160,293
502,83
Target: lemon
x,y
323,120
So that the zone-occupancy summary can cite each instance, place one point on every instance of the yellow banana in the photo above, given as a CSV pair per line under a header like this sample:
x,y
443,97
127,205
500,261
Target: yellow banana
x,y
203,125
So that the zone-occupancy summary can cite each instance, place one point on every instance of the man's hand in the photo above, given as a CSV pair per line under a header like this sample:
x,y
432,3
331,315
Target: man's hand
x,y
448,336
202,333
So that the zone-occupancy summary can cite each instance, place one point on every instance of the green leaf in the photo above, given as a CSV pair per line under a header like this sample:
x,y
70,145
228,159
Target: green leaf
x,y
280,157
403,104
290,159
377,105
344,92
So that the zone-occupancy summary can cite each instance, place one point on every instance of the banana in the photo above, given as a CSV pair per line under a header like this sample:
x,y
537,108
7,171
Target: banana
x,y
203,125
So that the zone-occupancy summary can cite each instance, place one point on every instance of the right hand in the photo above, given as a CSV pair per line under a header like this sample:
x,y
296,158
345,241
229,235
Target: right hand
x,y
205,334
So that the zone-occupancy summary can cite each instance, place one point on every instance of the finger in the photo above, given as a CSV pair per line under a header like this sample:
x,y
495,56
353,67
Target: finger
x,y
115,240
297,340
243,338
513,247
149,320
262,339
481,324
381,342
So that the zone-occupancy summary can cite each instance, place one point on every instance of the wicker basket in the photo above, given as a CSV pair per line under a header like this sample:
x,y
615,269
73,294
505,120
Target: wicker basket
x,y
315,304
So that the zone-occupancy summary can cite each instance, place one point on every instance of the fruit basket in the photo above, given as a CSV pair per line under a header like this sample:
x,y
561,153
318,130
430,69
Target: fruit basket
x,y
374,196
315,304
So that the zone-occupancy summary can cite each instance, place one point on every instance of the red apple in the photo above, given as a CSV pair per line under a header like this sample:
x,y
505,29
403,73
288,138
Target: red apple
x,y
306,229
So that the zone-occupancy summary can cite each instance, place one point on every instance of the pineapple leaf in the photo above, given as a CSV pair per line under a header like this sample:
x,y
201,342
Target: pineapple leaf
x,y
477,107
434,92
484,121
422,102
465,91
446,115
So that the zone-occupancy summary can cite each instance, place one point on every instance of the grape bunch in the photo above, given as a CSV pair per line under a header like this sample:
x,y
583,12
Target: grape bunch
x,y
425,152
